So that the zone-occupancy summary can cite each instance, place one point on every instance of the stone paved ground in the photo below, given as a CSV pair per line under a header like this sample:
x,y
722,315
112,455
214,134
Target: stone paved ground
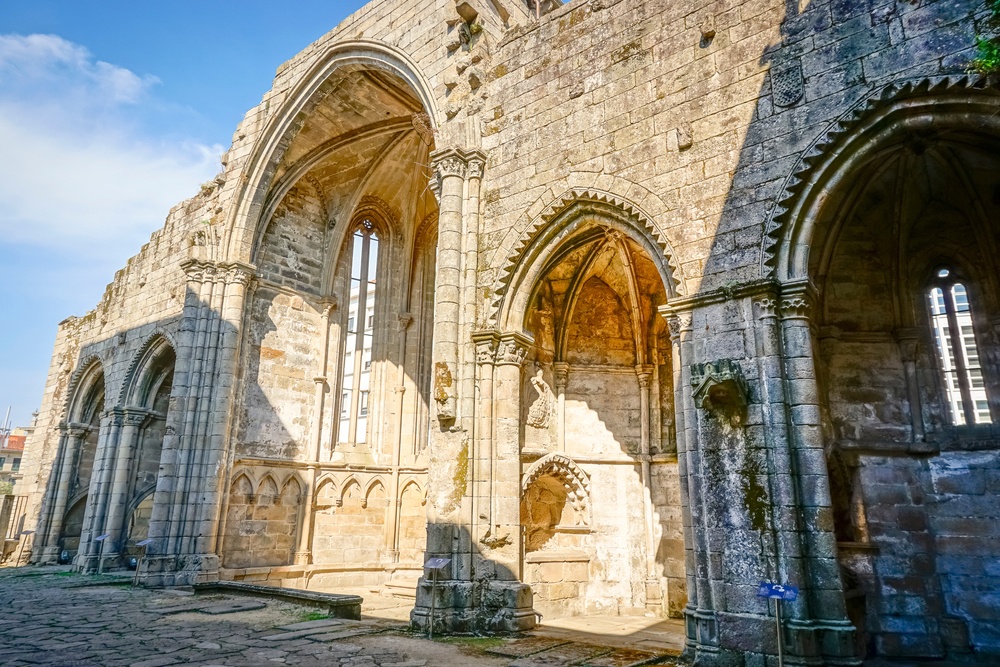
x,y
55,618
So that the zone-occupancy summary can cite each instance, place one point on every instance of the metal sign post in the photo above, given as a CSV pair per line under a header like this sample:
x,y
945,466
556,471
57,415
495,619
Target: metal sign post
x,y
778,592
20,550
100,554
138,563
434,565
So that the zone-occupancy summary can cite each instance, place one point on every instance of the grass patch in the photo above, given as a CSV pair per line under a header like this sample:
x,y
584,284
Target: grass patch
x,y
314,616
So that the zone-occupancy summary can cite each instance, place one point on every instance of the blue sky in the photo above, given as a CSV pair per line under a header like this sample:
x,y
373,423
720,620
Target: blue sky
x,y
110,113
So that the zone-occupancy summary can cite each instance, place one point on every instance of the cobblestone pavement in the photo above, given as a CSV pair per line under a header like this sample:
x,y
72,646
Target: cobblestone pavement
x,y
55,618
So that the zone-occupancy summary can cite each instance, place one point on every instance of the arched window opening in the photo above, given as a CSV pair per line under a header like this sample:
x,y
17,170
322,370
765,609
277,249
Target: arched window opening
x,y
359,334
957,352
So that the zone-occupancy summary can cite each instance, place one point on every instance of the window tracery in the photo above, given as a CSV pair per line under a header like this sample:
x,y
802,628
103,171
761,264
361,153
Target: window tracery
x,y
358,335
956,349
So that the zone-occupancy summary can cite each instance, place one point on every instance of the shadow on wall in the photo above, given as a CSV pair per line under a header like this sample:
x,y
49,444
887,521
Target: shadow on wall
x,y
148,430
870,157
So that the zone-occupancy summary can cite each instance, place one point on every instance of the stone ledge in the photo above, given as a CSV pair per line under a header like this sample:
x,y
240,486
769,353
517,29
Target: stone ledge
x,y
339,606
560,556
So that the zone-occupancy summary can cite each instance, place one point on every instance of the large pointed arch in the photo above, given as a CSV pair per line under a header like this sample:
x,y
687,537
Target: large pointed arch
x,y
874,125
246,217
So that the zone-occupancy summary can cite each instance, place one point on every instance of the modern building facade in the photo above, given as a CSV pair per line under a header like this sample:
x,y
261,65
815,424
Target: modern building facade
x,y
620,307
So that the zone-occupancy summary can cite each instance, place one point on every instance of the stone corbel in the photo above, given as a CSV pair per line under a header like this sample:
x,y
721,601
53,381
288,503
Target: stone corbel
x,y
486,346
718,386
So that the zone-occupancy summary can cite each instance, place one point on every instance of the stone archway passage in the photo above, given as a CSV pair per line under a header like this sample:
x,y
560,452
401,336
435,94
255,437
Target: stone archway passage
x,y
596,415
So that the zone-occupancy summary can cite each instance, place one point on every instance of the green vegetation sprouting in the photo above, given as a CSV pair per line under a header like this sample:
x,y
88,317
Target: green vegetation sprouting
x,y
987,60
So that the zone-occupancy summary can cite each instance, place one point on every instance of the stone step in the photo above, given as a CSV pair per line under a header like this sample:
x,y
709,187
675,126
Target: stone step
x,y
337,605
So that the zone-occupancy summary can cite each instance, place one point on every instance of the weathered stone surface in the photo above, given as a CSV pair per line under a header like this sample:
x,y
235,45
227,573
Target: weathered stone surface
x,y
565,214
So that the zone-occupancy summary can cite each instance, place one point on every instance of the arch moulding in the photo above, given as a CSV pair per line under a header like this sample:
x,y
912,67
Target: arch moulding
x,y
873,124
151,348
245,216
573,478
81,380
520,260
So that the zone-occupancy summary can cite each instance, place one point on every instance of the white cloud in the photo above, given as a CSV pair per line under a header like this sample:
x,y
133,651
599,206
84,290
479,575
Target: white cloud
x,y
50,57
80,164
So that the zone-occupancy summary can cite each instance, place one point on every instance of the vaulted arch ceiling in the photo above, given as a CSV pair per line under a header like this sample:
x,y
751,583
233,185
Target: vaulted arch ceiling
x,y
366,136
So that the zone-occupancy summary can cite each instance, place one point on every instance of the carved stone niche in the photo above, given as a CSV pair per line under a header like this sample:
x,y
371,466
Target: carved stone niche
x,y
719,386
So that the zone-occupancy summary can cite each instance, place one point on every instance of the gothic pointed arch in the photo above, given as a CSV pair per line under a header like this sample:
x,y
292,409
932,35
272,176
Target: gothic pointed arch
x,y
243,228
892,114
570,215
88,379
157,347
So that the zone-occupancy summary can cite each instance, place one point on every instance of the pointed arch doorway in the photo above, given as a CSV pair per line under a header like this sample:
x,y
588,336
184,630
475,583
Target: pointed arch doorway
x,y
600,506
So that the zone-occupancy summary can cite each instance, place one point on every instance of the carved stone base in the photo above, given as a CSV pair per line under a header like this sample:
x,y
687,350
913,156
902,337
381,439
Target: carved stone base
x,y
46,556
184,570
464,606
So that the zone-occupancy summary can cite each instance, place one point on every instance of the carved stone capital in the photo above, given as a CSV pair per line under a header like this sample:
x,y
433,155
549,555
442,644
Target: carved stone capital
x,y
908,340
766,306
450,165
797,301
115,416
133,417
796,307
404,320
645,375
238,274
677,322
476,167
78,431
486,346
513,348
198,271
328,304
560,371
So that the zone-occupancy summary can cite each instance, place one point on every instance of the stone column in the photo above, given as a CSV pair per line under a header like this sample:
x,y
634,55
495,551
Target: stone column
x,y
475,162
821,627
394,502
495,600
72,438
511,352
507,601
99,492
654,595
700,617
216,461
560,370
674,324
195,463
173,483
909,347
450,167
303,551
482,474
128,446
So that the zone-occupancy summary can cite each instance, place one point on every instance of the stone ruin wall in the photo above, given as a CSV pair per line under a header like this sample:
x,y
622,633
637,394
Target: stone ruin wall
x,y
671,107
145,298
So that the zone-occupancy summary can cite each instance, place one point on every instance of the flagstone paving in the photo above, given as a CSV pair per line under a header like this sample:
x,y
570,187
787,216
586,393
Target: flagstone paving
x,y
53,618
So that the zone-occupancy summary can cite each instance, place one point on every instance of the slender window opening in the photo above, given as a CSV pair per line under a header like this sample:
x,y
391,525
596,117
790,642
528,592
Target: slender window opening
x,y
356,370
958,354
